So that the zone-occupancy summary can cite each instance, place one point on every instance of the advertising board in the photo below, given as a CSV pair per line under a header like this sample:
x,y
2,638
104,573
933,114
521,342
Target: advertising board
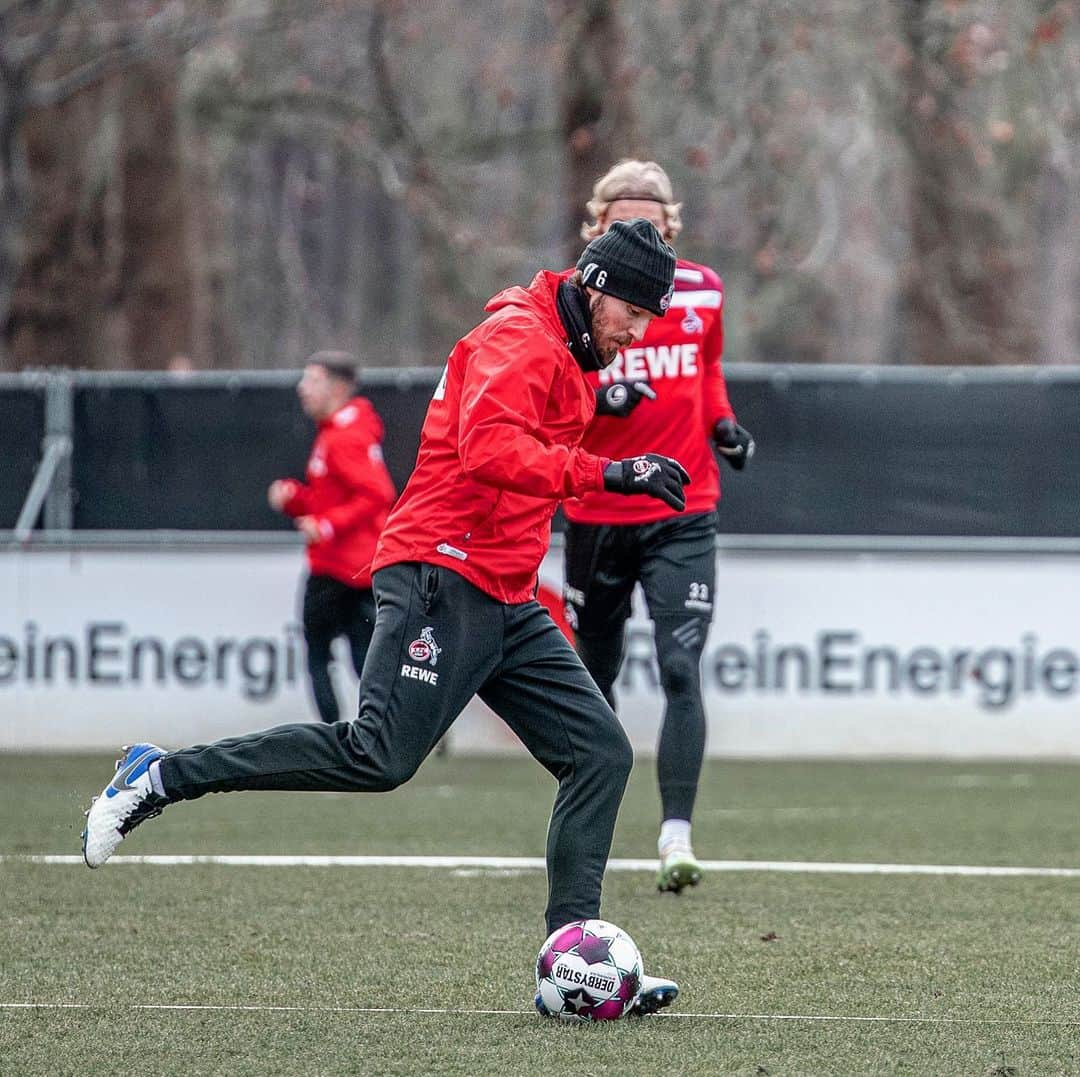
x,y
810,653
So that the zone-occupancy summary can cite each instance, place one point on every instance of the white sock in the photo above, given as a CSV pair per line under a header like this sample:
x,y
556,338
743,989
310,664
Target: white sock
x,y
154,770
674,833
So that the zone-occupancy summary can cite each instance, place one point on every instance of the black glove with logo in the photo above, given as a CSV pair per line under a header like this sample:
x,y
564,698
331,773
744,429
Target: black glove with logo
x,y
621,397
733,442
651,474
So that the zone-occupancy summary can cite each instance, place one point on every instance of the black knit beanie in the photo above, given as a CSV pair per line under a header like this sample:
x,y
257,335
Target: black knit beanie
x,y
632,262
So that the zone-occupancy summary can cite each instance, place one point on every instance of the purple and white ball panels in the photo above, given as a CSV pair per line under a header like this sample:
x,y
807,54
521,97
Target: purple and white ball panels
x,y
589,970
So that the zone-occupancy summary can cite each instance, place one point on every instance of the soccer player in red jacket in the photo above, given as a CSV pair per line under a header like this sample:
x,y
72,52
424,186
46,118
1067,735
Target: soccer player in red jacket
x,y
455,577
665,394
340,511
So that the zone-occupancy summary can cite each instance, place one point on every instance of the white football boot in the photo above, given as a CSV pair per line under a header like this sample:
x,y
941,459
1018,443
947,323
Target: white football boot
x,y
656,994
124,803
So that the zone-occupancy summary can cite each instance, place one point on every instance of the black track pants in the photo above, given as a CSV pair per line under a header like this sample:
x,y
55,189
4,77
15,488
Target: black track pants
x,y
438,641
675,562
332,609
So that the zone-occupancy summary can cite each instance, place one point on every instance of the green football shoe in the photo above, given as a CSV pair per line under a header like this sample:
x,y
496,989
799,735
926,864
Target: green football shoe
x,y
678,869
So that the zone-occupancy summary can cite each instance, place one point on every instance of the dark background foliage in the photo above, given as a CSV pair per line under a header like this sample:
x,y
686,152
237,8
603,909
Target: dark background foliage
x,y
234,183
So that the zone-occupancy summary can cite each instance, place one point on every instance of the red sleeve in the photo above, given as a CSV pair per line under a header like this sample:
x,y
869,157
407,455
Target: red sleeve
x,y
504,393
356,460
717,405
297,504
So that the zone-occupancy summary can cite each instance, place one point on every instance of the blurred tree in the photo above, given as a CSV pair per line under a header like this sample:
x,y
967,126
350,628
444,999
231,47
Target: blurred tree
x,y
245,180
597,109
92,211
962,296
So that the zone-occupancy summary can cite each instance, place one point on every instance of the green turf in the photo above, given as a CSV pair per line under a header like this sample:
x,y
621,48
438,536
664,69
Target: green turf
x,y
984,968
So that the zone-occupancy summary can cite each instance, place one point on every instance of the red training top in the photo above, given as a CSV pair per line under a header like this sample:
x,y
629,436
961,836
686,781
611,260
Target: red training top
x,y
499,449
680,359
348,491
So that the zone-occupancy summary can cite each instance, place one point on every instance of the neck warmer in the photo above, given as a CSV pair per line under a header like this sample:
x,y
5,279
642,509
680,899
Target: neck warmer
x,y
573,307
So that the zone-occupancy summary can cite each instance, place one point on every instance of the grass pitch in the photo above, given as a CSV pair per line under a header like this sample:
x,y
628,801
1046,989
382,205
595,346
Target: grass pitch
x,y
308,970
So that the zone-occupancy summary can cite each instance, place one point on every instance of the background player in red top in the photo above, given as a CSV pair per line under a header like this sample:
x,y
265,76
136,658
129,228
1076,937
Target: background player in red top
x,y
456,575
665,394
340,511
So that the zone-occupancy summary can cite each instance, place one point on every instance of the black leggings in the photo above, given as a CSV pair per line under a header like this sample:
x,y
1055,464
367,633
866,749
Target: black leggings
x,y
675,563
332,609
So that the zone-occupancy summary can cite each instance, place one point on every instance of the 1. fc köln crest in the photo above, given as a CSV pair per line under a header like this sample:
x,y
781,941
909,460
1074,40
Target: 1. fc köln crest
x,y
425,649
692,322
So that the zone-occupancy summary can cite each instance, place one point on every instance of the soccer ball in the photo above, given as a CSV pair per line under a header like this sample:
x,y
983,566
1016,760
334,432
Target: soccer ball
x,y
589,970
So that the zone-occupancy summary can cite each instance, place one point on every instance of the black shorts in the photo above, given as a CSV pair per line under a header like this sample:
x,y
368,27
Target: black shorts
x,y
674,561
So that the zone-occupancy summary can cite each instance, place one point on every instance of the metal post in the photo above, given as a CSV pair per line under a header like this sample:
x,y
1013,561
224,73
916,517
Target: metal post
x,y
57,452
60,427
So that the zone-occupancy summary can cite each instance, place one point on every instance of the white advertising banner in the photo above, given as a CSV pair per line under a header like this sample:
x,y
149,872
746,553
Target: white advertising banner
x,y
810,654
102,647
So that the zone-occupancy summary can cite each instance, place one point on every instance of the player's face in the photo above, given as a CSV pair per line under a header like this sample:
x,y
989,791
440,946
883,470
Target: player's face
x,y
316,392
615,324
627,209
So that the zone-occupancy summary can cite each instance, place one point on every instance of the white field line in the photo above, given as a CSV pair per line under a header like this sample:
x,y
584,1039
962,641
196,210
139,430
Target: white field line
x,y
523,863
207,1008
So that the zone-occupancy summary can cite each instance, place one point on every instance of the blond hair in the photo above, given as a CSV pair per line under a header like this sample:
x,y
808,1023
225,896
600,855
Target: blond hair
x,y
630,178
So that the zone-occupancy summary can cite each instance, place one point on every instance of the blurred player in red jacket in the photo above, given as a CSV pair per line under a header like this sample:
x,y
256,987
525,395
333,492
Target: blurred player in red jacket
x,y
340,511
665,394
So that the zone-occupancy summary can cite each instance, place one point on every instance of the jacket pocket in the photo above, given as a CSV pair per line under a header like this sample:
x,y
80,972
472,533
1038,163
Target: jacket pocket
x,y
484,521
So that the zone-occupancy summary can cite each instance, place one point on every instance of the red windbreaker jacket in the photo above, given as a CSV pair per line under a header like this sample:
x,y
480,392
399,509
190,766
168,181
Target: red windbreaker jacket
x,y
680,359
499,449
348,491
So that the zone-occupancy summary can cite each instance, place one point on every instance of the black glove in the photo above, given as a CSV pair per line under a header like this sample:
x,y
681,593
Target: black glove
x,y
733,442
621,397
651,474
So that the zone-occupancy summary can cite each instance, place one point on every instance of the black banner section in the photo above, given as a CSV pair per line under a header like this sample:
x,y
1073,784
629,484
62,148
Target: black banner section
x,y
889,451
22,427
907,453
200,457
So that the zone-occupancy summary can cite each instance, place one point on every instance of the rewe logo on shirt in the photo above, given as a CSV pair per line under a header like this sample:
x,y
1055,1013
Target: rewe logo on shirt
x,y
674,361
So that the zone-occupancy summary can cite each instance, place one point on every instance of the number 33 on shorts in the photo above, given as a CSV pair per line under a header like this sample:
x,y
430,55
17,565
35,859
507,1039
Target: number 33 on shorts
x,y
698,598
